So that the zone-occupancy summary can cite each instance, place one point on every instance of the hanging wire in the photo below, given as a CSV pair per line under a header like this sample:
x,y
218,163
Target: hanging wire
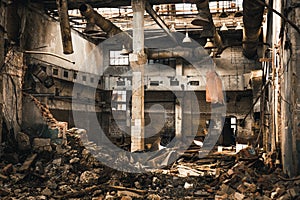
x,y
279,14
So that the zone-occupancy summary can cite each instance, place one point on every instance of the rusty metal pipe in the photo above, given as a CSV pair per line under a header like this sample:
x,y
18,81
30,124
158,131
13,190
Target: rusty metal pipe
x,y
176,53
252,19
204,16
205,19
62,6
92,16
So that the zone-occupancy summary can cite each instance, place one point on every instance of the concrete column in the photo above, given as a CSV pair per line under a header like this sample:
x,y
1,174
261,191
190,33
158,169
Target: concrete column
x,y
178,118
179,102
179,71
137,61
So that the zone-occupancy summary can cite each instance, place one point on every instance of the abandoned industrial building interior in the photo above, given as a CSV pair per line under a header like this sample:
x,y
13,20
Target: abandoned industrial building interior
x,y
148,99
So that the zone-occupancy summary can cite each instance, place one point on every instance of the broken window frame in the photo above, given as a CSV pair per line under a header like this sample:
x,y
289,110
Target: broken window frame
x,y
116,59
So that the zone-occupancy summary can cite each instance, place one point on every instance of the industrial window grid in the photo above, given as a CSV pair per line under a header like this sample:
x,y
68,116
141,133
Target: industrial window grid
x,y
115,58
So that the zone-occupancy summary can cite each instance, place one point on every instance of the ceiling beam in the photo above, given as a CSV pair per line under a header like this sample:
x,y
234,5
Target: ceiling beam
x,y
159,21
74,4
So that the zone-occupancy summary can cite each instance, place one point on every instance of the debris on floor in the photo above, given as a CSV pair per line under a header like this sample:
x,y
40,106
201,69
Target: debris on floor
x,y
64,164
70,172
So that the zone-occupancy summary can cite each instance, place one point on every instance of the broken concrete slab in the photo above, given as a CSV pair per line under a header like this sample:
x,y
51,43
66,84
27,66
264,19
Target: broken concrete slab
x,y
42,144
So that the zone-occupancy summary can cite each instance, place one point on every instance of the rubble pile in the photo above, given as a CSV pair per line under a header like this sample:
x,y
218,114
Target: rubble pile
x,y
64,164
70,172
253,180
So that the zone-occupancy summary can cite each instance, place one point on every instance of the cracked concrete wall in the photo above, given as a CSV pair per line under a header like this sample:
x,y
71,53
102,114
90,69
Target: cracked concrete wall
x,y
11,73
43,34
11,91
284,136
290,93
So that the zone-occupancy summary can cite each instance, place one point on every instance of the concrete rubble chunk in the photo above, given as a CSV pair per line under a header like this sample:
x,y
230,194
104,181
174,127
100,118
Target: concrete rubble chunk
x,y
47,192
128,194
153,197
238,196
230,172
88,177
23,141
293,193
201,193
278,192
74,160
42,144
57,162
221,197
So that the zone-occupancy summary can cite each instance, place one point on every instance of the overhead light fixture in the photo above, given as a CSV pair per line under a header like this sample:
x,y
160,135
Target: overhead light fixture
x,y
186,39
238,13
173,29
224,27
213,53
238,27
209,44
124,51
223,14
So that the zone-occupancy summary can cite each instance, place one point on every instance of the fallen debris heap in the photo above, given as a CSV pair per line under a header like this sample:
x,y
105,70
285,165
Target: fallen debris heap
x,y
70,172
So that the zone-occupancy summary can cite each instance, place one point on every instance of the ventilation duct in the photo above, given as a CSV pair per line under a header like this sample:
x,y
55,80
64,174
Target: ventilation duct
x,y
252,19
62,6
93,17
204,19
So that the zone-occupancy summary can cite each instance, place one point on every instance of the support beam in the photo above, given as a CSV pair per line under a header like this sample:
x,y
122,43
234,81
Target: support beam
x,y
159,21
62,6
137,61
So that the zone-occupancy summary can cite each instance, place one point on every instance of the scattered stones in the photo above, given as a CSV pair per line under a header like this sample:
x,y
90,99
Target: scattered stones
x,y
88,177
72,172
74,160
47,192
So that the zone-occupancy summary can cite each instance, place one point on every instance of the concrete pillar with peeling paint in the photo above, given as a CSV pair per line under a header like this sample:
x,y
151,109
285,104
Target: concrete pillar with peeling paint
x,y
178,105
137,61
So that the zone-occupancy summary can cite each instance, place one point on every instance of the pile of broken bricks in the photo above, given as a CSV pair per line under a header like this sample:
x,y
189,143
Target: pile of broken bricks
x,y
70,171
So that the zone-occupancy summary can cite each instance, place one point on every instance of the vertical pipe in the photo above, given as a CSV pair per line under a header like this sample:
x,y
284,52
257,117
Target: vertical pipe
x,y
62,6
252,19
205,19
